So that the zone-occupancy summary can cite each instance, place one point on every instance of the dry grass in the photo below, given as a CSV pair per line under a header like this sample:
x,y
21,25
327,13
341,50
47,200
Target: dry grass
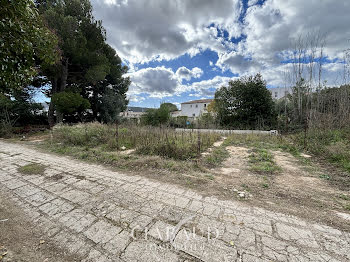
x,y
163,142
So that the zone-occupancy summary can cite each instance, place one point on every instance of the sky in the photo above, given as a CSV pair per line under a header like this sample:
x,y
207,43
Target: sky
x,y
181,50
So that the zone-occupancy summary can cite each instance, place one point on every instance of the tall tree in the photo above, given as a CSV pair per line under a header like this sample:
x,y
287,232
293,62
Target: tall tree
x,y
245,103
27,45
87,61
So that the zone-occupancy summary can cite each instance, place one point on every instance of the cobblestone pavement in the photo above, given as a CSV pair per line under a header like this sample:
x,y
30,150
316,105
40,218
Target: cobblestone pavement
x,y
103,215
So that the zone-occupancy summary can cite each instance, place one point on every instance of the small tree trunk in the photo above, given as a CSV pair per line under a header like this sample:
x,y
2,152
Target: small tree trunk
x,y
50,115
64,76
199,143
51,112
305,132
117,134
59,117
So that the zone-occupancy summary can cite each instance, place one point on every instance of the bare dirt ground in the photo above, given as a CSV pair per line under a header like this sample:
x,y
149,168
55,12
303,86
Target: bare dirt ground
x,y
20,240
298,188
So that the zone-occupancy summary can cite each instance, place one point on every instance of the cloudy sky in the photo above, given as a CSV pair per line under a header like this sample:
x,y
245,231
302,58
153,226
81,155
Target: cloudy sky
x,y
180,50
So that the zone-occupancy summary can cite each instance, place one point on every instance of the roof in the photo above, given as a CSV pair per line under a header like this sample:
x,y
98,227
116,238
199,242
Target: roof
x,y
199,101
137,109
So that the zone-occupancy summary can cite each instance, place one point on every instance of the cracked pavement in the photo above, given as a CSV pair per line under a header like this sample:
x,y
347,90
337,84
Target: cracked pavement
x,y
103,215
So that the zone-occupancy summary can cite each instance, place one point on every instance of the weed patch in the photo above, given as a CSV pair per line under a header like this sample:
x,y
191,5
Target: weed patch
x,y
332,145
216,157
261,161
32,169
325,176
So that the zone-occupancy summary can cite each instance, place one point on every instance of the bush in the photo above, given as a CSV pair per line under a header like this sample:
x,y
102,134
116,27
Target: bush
x,y
5,129
92,134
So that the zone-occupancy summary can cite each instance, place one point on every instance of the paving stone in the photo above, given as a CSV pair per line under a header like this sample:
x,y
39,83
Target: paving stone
x,y
26,190
39,198
147,251
76,196
140,222
203,248
102,232
118,243
4,177
77,220
122,216
85,184
300,236
56,208
57,188
172,214
162,231
13,183
96,256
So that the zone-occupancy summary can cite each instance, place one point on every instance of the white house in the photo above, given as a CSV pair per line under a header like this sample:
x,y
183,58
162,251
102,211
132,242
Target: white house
x,y
133,112
279,92
194,108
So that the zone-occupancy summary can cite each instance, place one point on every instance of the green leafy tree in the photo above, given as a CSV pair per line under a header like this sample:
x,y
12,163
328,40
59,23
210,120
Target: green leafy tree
x,y
19,109
170,107
26,44
245,103
157,117
88,62
108,97
69,102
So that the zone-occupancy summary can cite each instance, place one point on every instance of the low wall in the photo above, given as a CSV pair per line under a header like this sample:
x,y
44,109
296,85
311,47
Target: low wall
x,y
258,132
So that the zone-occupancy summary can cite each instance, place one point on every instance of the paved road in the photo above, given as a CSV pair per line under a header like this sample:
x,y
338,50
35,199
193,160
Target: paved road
x,y
103,215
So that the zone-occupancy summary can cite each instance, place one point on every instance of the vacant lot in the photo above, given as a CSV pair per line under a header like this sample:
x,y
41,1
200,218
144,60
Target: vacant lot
x,y
269,171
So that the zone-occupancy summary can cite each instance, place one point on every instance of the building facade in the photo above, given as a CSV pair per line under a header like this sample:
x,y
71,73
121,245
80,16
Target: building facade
x,y
280,92
133,112
195,108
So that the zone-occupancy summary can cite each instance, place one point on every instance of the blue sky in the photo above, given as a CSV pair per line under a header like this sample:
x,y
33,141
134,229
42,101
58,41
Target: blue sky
x,y
185,49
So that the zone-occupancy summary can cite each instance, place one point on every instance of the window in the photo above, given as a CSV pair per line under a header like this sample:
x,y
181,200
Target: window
x,y
194,115
276,94
191,105
196,106
205,105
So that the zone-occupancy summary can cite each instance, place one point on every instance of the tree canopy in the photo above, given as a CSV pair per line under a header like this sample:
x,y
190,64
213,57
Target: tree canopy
x,y
245,103
160,116
87,63
26,44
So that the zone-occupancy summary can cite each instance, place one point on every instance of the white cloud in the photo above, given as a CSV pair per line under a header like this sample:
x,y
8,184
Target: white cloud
x,y
252,2
208,87
143,30
272,27
187,74
157,82
237,63
136,98
162,82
